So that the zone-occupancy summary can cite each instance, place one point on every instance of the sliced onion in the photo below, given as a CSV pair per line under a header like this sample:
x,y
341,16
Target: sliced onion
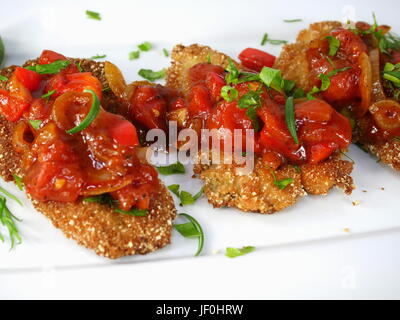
x,y
102,181
386,114
180,116
377,89
115,80
20,144
365,85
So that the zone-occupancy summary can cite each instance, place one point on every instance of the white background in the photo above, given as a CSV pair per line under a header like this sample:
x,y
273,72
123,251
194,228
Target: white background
x,y
302,252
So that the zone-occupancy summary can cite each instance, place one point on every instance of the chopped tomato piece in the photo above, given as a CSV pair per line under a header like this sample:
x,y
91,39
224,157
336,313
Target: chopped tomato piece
x,y
124,133
395,57
314,110
12,106
198,73
49,56
199,101
39,110
30,79
320,151
255,59
214,83
148,107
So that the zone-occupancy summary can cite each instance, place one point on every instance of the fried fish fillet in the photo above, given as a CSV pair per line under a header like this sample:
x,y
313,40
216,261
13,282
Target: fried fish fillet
x,y
257,191
294,66
93,225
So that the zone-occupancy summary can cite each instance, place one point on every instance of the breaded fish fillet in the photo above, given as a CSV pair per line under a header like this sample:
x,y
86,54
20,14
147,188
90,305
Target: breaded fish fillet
x,y
294,66
256,192
93,225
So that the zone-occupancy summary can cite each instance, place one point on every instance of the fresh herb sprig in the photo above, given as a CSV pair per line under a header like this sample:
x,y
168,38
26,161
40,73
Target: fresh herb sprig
x,y
7,219
185,197
191,229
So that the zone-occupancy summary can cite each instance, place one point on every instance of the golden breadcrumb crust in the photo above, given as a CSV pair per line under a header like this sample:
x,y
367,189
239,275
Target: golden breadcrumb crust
x,y
294,66
257,191
93,225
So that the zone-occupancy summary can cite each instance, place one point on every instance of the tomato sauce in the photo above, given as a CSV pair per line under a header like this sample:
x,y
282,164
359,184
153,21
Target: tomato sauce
x,y
58,166
321,130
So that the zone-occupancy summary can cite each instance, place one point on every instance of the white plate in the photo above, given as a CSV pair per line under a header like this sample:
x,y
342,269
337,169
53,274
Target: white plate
x,y
228,26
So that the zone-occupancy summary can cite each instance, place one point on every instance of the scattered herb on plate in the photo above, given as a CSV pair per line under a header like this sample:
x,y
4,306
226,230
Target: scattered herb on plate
x,y
152,75
236,252
192,229
175,168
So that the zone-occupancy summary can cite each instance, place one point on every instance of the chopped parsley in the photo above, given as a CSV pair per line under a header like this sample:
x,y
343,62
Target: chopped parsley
x,y
175,168
145,46
185,197
152,75
251,101
134,55
229,93
192,229
325,82
19,182
236,252
334,45
93,15
266,40
292,20
48,94
281,184
35,124
232,73
272,78
51,68
98,56
290,118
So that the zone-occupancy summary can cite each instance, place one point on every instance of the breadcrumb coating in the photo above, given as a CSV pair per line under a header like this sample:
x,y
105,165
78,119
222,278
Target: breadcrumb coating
x,y
257,191
93,225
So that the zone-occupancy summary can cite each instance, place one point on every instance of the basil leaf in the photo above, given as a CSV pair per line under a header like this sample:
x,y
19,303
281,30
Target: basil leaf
x,y
272,78
290,118
334,45
192,230
134,55
175,168
152,75
93,112
98,57
51,68
229,93
93,15
281,184
236,252
35,124
233,73
145,46
133,212
19,182
292,20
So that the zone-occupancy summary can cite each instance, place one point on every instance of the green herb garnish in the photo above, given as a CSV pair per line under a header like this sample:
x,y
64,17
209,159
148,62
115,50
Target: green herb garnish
x,y
236,252
48,94
229,93
145,46
79,66
272,78
7,220
51,68
3,78
11,196
192,229
281,184
334,45
185,197
292,20
175,168
93,112
266,39
166,53
152,75
290,118
133,212
35,124
19,182
104,198
391,73
93,15
98,57
232,73
251,101
134,55
325,82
